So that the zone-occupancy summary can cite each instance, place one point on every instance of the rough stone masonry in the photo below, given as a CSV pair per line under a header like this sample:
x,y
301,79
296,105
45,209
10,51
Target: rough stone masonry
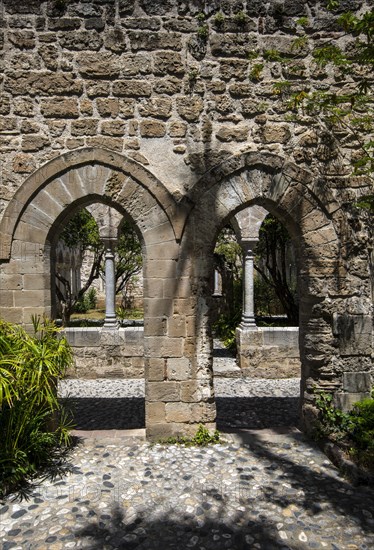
x,y
166,110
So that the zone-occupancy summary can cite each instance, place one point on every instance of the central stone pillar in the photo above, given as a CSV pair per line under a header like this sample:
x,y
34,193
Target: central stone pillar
x,y
110,286
248,315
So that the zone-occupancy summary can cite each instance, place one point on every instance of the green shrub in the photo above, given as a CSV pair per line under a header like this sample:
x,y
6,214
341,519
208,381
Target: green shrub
x,y
32,422
363,421
86,302
202,438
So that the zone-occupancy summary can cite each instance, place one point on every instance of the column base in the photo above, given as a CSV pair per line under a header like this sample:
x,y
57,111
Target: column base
x,y
111,323
248,323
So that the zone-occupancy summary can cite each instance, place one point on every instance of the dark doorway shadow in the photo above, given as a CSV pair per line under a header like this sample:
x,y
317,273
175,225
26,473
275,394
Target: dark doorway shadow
x,y
257,412
94,413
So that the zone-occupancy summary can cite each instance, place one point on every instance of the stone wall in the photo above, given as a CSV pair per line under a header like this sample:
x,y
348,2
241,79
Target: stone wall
x,y
269,352
168,113
153,80
106,354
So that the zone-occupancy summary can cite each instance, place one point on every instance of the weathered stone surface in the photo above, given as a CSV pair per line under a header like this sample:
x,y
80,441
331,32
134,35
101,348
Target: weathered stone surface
x,y
34,143
232,45
22,39
190,108
24,83
132,88
276,133
159,107
24,163
233,133
81,40
113,128
60,107
83,127
168,62
108,107
154,41
98,65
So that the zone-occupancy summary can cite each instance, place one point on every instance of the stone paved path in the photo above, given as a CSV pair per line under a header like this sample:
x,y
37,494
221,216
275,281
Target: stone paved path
x,y
261,489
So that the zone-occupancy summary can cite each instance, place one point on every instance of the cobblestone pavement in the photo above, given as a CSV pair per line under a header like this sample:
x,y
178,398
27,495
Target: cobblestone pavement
x,y
265,488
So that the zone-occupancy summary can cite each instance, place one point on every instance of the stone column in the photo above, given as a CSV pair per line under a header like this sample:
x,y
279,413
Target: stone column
x,y
217,287
110,286
248,315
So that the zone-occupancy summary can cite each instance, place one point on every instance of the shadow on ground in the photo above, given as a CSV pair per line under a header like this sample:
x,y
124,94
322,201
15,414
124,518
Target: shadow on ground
x,y
326,509
232,412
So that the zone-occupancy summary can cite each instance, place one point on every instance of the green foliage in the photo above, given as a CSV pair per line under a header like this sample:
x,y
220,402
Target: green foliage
x,y
219,19
87,301
225,329
240,18
332,421
30,367
82,231
256,71
272,55
281,87
201,17
203,32
355,429
302,21
202,438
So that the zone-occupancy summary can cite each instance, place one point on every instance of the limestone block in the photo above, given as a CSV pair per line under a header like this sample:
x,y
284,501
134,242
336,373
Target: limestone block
x,y
22,39
357,382
276,133
194,391
141,23
98,65
178,368
83,336
355,333
31,298
34,142
155,369
346,401
232,133
154,41
176,327
8,125
162,391
164,346
113,128
11,314
155,413
81,40
169,86
132,88
114,144
190,108
159,107
203,413
177,129
84,127
168,62
6,296
107,107
152,128
23,163
63,23
232,45
44,83
126,109
155,326
115,40
233,68
60,107
97,88
178,412
4,105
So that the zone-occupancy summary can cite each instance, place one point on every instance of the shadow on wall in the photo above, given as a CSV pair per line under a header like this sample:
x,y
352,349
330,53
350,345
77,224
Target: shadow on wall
x,y
232,412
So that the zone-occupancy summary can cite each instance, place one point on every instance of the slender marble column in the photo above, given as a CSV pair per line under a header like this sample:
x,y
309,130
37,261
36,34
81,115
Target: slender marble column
x,y
217,286
110,287
248,315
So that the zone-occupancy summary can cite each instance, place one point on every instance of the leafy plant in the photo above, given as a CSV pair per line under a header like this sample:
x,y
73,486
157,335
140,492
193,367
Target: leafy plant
x,y
256,71
219,19
240,18
203,32
202,438
332,421
272,55
32,422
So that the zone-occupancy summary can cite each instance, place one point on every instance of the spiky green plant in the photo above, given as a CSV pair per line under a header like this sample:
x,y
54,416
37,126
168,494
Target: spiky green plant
x,y
32,423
